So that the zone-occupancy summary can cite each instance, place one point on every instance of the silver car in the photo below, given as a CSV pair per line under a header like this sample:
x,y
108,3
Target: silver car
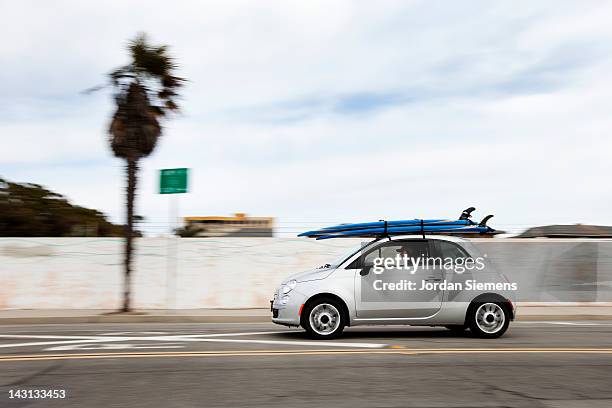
x,y
371,285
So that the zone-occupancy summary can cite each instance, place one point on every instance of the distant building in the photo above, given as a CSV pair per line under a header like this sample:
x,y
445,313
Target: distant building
x,y
568,231
237,226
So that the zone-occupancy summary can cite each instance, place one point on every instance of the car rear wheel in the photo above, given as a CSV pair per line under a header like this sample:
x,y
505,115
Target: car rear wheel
x,y
323,319
488,320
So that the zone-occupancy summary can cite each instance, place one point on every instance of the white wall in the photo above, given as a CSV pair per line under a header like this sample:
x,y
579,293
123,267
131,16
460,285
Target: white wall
x,y
60,273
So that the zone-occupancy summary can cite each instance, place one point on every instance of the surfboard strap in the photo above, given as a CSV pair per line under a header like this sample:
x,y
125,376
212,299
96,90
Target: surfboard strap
x,y
386,231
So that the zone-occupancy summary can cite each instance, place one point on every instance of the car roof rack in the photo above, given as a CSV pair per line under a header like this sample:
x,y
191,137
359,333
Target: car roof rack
x,y
385,228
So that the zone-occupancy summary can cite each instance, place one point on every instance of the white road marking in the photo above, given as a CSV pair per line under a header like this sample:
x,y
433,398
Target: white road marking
x,y
216,338
233,334
284,342
45,336
46,343
129,333
115,346
535,324
52,336
301,343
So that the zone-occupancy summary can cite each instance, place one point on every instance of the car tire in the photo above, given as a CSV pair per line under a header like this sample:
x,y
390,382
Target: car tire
x,y
488,320
323,319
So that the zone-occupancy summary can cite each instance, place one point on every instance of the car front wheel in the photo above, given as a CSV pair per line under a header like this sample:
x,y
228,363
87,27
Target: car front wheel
x,y
323,319
488,320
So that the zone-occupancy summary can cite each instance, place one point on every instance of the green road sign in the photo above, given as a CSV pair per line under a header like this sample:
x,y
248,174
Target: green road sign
x,y
173,181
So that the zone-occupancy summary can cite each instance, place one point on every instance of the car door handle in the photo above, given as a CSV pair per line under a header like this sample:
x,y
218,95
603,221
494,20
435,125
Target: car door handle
x,y
433,279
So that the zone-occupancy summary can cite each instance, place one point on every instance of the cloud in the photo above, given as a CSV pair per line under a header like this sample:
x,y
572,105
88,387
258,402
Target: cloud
x,y
326,111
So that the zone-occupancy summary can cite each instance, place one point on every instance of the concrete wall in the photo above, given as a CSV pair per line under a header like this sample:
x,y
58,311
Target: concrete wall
x,y
59,273
554,270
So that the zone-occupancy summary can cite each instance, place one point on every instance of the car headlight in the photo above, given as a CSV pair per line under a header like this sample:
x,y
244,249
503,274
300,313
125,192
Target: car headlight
x,y
285,300
289,286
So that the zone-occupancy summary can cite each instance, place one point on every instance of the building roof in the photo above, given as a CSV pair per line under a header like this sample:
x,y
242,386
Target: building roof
x,y
568,231
236,217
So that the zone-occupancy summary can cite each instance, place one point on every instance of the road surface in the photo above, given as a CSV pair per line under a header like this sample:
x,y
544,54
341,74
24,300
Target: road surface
x,y
536,364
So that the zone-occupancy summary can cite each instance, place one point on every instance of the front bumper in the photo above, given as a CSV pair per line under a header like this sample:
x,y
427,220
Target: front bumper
x,y
289,314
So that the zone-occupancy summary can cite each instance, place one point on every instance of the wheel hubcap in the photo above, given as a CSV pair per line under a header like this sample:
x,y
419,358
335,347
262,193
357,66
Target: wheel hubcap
x,y
324,319
490,318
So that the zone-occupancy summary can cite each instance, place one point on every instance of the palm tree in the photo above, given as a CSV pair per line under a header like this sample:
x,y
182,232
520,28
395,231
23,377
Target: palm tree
x,y
145,92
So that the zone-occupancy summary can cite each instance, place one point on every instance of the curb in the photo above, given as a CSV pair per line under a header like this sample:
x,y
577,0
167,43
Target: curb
x,y
134,319
102,319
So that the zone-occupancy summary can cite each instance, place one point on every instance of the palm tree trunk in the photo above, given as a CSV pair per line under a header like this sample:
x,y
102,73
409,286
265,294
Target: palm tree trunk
x,y
131,169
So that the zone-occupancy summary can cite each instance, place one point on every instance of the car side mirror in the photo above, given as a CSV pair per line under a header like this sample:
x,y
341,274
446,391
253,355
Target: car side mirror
x,y
365,270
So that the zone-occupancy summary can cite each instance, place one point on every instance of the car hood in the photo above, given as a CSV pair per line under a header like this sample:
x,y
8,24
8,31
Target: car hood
x,y
310,275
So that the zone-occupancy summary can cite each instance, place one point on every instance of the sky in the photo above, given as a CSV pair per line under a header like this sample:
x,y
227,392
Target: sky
x,y
318,112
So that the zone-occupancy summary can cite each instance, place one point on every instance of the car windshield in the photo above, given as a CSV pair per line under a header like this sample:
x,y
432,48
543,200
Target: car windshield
x,y
336,262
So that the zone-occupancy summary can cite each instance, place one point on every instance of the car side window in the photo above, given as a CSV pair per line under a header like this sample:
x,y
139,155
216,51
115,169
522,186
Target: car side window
x,y
412,249
450,250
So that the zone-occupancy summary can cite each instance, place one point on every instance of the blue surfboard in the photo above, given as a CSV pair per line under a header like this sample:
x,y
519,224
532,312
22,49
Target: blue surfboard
x,y
398,223
378,228
390,224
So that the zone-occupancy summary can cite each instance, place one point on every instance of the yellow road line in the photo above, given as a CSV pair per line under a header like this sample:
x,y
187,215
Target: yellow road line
x,y
512,350
228,353
237,353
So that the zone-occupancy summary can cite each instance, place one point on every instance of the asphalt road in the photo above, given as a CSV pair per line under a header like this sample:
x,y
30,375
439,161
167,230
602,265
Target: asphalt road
x,y
536,364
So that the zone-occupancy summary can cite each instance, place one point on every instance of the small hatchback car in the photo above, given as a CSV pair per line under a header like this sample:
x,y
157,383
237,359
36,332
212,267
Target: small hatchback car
x,y
425,281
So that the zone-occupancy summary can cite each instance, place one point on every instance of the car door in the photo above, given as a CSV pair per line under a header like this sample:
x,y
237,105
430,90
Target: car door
x,y
387,294
459,274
